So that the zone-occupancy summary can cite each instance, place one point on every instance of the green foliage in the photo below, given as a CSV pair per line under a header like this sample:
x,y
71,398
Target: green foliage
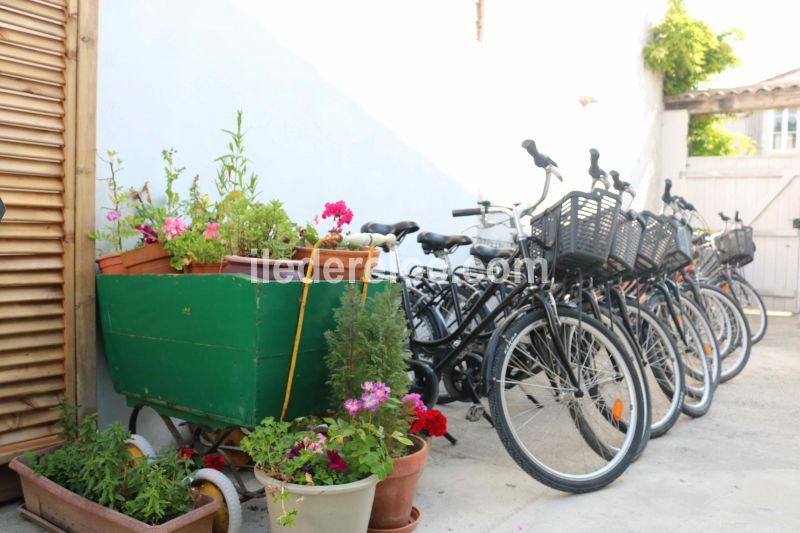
x,y
98,466
313,452
262,227
708,138
153,214
193,247
687,50
367,344
121,228
232,172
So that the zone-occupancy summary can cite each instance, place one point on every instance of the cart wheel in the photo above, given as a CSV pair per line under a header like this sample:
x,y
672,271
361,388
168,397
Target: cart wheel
x,y
139,446
218,486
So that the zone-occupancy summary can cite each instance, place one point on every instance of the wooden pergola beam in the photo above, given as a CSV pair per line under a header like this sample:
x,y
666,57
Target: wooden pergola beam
x,y
743,99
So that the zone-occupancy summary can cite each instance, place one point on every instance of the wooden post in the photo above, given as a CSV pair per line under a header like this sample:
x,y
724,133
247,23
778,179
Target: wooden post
x,y
85,154
479,20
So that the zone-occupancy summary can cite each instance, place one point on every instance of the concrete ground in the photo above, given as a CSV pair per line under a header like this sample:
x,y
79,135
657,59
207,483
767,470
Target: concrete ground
x,y
736,469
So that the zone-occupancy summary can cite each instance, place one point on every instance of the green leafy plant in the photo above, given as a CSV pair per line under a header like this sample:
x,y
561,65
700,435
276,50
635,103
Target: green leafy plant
x,y
201,243
233,175
120,220
707,137
150,217
262,227
367,346
687,50
98,466
306,451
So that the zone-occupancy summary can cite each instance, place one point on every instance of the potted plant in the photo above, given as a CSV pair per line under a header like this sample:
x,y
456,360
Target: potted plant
x,y
119,226
367,342
197,249
93,483
259,236
151,220
319,474
333,261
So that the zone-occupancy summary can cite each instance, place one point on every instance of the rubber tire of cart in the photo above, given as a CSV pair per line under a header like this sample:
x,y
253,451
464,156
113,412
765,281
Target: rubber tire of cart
x,y
217,485
139,446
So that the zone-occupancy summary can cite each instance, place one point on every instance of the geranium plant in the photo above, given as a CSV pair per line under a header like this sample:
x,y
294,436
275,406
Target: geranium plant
x,y
340,215
151,216
119,228
208,460
330,451
200,243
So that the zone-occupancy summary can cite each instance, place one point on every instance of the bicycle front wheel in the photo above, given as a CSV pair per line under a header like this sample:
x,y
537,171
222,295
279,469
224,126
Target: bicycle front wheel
x,y
571,439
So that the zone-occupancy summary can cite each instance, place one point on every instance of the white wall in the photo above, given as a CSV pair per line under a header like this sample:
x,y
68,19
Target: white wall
x,y
393,107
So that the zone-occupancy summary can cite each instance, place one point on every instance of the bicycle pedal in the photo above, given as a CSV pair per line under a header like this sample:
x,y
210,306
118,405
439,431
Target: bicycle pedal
x,y
475,413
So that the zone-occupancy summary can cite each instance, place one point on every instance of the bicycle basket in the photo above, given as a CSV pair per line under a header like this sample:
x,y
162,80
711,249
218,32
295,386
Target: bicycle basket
x,y
625,244
708,260
577,232
736,247
656,239
679,252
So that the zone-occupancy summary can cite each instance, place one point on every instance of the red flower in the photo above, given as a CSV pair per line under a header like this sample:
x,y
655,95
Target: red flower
x,y
185,452
420,421
436,423
335,461
214,460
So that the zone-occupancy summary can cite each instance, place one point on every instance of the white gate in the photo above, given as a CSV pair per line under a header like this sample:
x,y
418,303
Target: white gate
x,y
766,191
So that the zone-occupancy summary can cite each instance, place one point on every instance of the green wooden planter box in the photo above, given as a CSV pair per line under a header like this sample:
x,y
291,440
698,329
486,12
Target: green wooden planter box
x,y
215,349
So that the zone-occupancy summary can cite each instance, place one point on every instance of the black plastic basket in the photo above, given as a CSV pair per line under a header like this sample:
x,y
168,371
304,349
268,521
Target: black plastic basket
x,y
679,253
736,247
708,261
576,233
657,237
625,244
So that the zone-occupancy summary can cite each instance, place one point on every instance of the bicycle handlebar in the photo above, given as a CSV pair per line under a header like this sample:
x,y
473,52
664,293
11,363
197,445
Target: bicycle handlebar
x,y
369,239
667,196
468,212
594,169
621,186
541,160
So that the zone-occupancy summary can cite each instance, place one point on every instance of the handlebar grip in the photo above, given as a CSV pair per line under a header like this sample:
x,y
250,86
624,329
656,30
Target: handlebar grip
x,y
594,170
540,159
690,206
469,212
667,196
369,239
736,217
724,217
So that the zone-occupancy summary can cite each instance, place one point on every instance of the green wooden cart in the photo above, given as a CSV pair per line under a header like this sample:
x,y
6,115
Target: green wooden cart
x,y
215,349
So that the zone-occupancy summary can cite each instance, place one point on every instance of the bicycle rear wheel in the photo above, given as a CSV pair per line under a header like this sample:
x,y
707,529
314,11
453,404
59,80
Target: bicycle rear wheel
x,y
752,305
544,423
727,319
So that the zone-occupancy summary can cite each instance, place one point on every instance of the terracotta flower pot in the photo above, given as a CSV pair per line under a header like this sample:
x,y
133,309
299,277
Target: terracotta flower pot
x,y
68,511
413,522
321,508
337,265
207,268
394,496
149,259
270,269
111,264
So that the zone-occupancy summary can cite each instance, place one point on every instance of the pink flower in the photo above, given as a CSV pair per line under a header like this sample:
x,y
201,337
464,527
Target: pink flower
x,y
212,230
339,211
416,400
148,234
315,446
352,406
381,391
173,227
111,216
370,402
368,386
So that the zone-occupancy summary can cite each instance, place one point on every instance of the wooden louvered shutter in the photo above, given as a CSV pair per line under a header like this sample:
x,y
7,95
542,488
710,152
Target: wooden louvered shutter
x,y
47,128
